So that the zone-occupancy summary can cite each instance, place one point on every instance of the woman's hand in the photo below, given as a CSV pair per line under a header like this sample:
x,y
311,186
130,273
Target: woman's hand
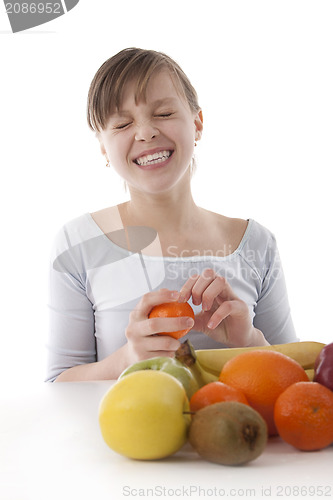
x,y
224,316
141,332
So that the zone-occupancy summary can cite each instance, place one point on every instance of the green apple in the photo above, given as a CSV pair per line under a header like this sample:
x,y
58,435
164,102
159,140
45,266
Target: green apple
x,y
168,365
142,415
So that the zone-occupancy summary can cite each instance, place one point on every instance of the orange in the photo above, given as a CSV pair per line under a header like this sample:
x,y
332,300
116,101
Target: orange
x,y
303,416
215,392
173,310
262,376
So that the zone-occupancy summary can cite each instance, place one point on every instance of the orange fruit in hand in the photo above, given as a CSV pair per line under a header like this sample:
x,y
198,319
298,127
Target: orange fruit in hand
x,y
303,416
262,376
173,310
215,392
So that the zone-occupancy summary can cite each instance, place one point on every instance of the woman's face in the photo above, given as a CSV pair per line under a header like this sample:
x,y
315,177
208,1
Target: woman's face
x,y
150,144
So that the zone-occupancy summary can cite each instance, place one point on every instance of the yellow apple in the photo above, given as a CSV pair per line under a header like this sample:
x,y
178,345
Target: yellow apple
x,y
142,415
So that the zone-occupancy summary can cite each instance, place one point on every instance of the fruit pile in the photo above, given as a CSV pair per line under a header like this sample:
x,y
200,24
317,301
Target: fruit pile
x,y
225,402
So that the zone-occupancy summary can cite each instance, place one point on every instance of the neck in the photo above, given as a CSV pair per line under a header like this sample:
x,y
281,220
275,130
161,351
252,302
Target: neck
x,y
172,211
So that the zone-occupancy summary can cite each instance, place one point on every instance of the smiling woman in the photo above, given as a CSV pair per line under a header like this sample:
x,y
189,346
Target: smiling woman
x,y
132,65
109,274
152,132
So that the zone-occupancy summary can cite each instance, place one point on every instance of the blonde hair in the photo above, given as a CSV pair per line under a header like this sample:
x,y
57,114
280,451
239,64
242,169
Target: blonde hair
x,y
107,86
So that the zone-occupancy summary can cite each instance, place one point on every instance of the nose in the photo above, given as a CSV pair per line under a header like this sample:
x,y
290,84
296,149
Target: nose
x,y
146,132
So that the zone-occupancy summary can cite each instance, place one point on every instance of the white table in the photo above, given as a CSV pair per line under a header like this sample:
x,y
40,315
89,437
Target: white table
x,y
51,448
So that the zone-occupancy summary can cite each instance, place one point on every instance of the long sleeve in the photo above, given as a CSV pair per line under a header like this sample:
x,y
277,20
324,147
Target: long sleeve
x,y
272,312
71,338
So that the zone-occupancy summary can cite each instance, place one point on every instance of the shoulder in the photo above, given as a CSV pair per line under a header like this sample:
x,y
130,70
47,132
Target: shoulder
x,y
74,232
259,248
226,225
80,227
259,236
229,231
243,233
79,245
235,226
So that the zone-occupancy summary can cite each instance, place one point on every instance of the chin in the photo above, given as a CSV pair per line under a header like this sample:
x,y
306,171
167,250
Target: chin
x,y
159,181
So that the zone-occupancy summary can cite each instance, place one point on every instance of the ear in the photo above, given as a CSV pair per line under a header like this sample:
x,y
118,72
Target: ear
x,y
198,121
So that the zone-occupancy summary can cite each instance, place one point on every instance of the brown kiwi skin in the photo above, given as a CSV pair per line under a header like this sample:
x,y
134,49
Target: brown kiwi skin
x,y
228,433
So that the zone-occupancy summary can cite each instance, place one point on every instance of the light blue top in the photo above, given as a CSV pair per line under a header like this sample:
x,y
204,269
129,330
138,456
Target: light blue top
x,y
95,284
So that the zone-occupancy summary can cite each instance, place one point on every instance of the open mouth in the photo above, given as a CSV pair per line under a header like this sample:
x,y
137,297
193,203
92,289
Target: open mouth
x,y
154,158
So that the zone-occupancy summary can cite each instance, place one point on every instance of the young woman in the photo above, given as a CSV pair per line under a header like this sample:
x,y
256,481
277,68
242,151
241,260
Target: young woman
x,y
111,267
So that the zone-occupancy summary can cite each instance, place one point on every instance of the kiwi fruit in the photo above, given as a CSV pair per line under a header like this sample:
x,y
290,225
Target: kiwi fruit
x,y
228,433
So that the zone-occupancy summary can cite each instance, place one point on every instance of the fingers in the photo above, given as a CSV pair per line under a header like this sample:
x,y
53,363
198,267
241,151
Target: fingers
x,y
219,290
164,345
205,288
186,290
228,308
154,326
208,288
151,299
142,331
149,345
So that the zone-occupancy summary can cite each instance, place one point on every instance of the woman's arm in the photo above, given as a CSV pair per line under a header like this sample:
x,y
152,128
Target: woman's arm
x,y
107,369
142,341
71,333
272,311
72,345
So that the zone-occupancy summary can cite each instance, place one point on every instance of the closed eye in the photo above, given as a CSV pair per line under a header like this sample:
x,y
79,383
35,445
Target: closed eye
x,y
164,115
121,126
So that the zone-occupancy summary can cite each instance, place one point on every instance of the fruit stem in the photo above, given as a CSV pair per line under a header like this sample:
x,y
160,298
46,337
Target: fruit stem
x,y
186,354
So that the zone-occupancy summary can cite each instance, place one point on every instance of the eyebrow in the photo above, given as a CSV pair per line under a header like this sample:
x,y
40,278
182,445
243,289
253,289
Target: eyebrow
x,y
156,104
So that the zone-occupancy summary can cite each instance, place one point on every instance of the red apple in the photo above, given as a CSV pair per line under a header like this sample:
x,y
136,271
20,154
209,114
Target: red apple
x,y
324,367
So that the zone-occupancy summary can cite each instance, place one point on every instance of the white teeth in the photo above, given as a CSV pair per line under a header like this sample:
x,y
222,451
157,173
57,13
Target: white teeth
x,y
154,158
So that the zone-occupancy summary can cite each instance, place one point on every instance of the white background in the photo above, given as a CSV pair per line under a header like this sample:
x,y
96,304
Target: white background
x,y
263,71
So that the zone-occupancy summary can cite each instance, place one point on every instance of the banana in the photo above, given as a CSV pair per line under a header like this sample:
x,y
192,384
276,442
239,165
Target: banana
x,y
187,355
305,353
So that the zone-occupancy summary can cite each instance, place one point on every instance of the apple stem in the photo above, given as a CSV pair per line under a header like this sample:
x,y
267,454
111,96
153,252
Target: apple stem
x,y
189,412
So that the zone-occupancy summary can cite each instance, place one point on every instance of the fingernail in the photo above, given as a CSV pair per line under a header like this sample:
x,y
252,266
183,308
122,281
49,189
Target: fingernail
x,y
189,322
181,298
210,324
175,295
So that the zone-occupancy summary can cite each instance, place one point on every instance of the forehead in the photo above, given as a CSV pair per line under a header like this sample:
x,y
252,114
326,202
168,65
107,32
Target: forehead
x,y
161,88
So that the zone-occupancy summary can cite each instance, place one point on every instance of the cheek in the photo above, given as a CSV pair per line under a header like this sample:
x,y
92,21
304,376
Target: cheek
x,y
188,139
183,134
117,151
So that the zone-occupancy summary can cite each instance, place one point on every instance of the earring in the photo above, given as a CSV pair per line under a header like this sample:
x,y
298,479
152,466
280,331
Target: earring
x,y
107,162
195,143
